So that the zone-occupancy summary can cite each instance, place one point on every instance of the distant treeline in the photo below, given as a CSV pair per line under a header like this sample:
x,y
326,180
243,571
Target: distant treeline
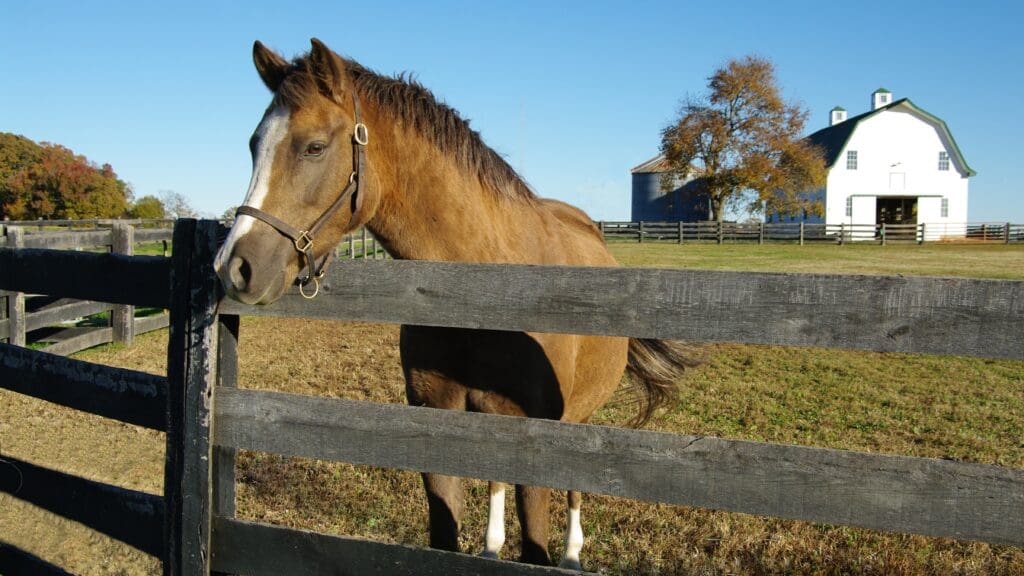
x,y
50,181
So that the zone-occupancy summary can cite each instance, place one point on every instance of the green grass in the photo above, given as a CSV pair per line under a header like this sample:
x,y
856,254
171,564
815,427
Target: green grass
x,y
152,249
973,260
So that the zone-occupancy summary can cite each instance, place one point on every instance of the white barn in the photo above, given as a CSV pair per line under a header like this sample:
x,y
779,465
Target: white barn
x,y
895,164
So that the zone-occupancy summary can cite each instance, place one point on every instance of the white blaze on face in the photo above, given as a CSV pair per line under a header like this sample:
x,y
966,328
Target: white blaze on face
x,y
269,135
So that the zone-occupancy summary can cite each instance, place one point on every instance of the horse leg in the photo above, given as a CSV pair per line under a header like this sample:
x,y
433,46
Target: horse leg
x,y
532,506
573,533
495,537
445,500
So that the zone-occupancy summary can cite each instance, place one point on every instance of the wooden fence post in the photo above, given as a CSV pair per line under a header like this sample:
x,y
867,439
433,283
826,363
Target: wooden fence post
x,y
720,226
227,377
191,376
882,233
760,232
1006,233
351,246
16,300
921,241
680,231
640,232
842,232
801,233
364,243
123,315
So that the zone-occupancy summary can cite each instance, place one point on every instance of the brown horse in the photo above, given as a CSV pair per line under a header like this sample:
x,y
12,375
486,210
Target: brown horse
x,y
341,147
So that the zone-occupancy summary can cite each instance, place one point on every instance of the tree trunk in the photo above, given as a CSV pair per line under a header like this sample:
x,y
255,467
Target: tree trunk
x,y
717,202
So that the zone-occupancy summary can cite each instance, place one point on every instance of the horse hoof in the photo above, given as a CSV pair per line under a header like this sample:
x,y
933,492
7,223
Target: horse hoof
x,y
571,565
489,555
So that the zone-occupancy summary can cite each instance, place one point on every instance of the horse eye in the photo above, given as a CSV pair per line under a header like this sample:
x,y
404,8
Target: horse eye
x,y
315,148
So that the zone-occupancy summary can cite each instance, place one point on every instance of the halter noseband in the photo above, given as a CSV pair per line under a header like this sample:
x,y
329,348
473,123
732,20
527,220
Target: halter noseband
x,y
303,239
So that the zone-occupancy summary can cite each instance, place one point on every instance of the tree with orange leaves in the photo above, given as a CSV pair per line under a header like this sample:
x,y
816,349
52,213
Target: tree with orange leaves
x,y
742,144
50,181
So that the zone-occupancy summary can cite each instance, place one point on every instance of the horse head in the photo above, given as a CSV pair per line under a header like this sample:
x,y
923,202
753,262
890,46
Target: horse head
x,y
309,182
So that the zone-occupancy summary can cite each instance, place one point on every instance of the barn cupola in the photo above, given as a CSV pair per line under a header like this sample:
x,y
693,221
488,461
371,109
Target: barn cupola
x,y
836,115
880,97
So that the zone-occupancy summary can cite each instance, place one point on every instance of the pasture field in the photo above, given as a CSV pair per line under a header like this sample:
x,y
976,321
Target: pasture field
x,y
946,407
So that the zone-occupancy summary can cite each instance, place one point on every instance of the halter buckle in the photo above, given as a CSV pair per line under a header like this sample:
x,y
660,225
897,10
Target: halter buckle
x,y
361,134
303,242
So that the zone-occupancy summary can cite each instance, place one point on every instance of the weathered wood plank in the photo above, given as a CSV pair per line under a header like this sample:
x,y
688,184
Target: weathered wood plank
x,y
83,341
17,561
886,313
227,377
63,311
15,301
902,494
122,318
191,373
4,325
258,549
145,235
150,323
125,395
69,240
128,515
138,280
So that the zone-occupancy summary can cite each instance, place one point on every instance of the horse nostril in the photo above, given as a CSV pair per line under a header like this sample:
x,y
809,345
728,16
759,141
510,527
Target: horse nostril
x,y
240,273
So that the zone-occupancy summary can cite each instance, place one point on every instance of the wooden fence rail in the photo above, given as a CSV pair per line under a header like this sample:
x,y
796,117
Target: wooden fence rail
x,y
130,516
207,418
17,321
959,316
896,493
802,232
124,395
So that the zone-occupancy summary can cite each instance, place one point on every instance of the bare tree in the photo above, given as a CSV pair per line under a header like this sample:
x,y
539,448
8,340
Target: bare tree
x,y
177,205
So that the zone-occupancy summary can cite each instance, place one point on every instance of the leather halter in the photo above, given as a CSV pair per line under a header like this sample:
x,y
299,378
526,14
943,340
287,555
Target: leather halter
x,y
303,239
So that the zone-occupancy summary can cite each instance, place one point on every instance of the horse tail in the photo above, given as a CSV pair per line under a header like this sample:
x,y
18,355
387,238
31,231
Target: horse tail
x,y
656,367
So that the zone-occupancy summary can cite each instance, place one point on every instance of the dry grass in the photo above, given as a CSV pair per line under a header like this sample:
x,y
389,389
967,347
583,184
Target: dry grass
x,y
946,407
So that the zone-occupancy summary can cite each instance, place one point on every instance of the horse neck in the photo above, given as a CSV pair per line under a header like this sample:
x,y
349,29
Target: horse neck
x,y
431,208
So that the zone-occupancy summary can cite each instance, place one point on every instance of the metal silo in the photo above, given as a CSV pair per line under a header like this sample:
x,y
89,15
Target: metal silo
x,y
650,203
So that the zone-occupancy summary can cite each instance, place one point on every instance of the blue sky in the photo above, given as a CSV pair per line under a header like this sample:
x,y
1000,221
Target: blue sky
x,y
573,93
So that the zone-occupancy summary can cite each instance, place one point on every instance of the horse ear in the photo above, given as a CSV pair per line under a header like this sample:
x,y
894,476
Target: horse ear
x,y
328,69
270,66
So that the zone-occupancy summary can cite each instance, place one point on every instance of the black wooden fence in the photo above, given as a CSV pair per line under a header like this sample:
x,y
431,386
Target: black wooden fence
x,y
22,314
193,528
810,233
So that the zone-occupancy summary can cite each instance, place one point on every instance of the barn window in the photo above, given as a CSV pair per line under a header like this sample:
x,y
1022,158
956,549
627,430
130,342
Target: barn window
x,y
943,161
945,207
849,206
851,160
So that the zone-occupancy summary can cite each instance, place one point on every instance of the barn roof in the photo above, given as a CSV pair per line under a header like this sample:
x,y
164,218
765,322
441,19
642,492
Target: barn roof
x,y
655,165
833,139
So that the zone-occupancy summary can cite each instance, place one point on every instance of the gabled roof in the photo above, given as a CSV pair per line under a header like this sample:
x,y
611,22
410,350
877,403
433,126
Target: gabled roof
x,y
655,165
833,139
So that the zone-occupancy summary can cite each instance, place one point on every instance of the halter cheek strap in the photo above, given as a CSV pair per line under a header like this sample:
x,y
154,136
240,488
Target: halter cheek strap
x,y
303,239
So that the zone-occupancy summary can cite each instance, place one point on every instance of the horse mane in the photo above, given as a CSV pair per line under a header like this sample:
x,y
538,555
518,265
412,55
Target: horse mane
x,y
409,102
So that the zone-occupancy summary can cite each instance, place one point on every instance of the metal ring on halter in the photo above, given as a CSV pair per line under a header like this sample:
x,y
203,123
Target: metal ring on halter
x,y
361,134
316,288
